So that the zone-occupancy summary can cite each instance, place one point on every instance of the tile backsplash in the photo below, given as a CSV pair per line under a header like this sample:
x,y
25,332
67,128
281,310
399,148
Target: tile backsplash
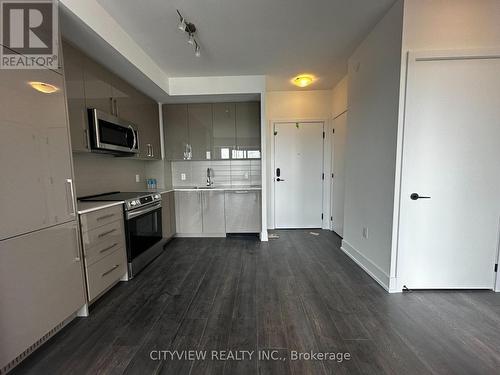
x,y
225,172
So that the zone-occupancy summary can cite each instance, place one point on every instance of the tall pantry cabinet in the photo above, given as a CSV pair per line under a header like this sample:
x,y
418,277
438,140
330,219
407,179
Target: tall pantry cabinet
x,y
41,279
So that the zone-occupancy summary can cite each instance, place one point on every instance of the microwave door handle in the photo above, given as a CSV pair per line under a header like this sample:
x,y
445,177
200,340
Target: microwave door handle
x,y
135,138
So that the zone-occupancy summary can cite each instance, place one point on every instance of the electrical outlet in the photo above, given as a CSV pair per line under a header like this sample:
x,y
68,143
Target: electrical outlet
x,y
245,176
365,232
183,177
137,178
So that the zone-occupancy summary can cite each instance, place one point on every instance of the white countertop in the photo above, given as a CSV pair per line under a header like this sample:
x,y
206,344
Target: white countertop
x,y
86,207
216,188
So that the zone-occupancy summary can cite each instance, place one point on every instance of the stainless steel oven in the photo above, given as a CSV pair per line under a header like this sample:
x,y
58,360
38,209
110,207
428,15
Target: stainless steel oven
x,y
143,228
110,134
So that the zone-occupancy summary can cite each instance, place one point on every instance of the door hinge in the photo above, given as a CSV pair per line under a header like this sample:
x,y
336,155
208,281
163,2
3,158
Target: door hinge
x,y
275,133
496,267
322,176
331,218
333,131
321,216
323,135
332,175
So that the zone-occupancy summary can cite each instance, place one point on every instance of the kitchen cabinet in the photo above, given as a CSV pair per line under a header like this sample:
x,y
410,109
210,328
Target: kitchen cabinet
x,y
168,214
213,212
98,87
34,132
103,242
200,130
41,285
243,211
175,119
248,127
224,130
188,212
75,93
149,130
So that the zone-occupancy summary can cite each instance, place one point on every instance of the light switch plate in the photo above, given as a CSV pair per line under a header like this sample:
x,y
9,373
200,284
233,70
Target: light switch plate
x,y
137,178
183,177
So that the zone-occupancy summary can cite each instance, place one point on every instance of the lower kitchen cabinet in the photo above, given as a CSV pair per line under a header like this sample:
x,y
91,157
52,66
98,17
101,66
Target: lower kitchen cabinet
x,y
188,212
104,249
41,285
213,212
168,214
243,211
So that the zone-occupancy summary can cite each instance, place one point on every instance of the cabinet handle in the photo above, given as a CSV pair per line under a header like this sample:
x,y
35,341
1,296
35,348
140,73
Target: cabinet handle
x,y
77,257
116,107
105,217
241,192
71,206
110,270
108,248
106,233
152,151
111,106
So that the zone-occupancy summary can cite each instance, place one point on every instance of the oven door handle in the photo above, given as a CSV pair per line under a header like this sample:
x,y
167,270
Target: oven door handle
x,y
135,213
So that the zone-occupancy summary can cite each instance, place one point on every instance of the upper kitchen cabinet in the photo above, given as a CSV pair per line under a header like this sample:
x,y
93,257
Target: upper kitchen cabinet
x,y
98,87
200,130
175,120
34,130
75,93
224,130
247,130
149,130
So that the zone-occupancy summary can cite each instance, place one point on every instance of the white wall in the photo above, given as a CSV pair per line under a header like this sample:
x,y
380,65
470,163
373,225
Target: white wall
x,y
441,25
296,105
339,97
373,97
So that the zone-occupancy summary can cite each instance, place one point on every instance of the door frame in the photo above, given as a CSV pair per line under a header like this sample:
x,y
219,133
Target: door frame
x,y
410,58
332,160
326,169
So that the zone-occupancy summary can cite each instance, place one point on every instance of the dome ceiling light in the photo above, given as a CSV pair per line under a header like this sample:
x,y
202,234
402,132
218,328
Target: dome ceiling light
x,y
303,80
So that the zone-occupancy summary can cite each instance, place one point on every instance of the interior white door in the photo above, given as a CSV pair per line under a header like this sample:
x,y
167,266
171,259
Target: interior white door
x,y
338,175
452,155
298,169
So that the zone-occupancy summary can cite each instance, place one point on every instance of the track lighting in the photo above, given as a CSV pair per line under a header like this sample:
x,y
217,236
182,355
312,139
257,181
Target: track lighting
x,y
190,29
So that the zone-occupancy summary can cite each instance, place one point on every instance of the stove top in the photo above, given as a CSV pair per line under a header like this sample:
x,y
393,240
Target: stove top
x,y
132,199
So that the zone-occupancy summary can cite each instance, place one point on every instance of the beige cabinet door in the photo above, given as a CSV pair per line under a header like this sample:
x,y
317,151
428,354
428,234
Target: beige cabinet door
x,y
213,212
75,93
200,130
166,216
175,125
41,284
224,130
188,212
150,130
98,88
35,153
247,126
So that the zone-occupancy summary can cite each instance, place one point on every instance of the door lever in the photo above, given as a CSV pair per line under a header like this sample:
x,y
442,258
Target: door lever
x,y
279,179
415,196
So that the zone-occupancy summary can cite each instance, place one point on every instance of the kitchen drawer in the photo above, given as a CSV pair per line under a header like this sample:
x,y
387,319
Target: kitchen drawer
x,y
103,248
112,231
102,217
106,272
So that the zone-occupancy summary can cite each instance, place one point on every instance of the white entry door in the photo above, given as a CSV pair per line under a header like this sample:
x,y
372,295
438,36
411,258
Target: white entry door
x,y
298,170
338,175
451,159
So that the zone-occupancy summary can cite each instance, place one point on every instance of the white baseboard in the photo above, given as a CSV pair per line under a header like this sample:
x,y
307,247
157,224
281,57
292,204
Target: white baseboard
x,y
368,266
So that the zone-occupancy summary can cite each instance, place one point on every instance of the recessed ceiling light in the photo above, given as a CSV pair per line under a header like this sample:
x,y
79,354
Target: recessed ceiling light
x,y
303,80
46,88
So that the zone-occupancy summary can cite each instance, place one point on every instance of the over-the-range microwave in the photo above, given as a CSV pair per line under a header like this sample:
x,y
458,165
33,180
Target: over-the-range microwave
x,y
113,135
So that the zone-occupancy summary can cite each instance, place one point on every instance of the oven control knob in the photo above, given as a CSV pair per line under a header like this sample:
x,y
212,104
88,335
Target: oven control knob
x,y
133,203
157,196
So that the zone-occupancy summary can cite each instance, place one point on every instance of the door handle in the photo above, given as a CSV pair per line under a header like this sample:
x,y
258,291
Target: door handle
x,y
279,179
415,196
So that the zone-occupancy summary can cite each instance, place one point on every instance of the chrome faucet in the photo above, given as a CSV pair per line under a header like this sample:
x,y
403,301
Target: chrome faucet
x,y
209,177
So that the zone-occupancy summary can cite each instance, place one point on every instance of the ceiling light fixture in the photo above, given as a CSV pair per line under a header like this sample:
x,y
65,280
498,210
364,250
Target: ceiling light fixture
x,y
190,29
46,88
303,80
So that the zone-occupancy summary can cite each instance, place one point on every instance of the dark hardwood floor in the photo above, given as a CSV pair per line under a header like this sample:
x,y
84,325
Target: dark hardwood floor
x,y
296,293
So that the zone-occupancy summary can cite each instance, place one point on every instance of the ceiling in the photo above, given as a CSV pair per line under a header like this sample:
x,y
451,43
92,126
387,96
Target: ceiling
x,y
276,38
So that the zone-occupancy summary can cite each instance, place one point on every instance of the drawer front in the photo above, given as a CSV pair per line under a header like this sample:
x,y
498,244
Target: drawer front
x,y
103,248
105,272
113,231
102,217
